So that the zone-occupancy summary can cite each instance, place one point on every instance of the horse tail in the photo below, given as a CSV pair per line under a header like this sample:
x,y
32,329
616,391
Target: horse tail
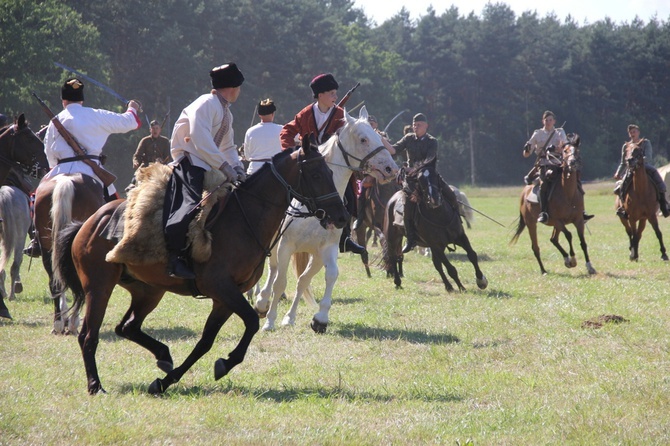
x,y
65,273
300,261
519,229
464,208
61,209
15,218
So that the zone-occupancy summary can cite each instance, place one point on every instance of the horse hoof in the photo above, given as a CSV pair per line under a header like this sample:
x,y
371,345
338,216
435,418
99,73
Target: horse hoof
x,y
318,327
664,257
590,268
288,322
156,387
482,283
261,314
268,326
5,313
220,369
165,366
18,288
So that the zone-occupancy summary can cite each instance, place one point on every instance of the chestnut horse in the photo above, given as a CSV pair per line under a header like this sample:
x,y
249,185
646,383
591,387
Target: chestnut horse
x,y
566,205
640,205
59,201
19,147
241,240
437,225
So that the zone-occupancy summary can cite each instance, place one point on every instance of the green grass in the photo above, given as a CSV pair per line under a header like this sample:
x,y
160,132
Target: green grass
x,y
507,365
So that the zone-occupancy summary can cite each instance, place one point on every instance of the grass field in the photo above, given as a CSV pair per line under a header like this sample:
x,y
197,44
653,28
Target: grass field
x,y
513,364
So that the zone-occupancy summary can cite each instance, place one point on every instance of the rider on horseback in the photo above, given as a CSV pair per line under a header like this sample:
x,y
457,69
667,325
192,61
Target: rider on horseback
x,y
90,128
419,146
625,176
544,143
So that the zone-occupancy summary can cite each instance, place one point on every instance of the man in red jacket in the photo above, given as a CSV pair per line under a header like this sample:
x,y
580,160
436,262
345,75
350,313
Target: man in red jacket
x,y
326,116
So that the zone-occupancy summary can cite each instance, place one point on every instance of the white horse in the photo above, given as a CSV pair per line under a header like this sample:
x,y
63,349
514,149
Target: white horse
x,y
15,222
356,147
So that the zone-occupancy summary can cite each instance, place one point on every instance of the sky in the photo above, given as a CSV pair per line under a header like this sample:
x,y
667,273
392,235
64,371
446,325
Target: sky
x,y
582,11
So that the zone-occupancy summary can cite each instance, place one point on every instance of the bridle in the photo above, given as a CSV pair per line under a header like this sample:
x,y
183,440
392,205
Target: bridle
x,y
12,133
363,161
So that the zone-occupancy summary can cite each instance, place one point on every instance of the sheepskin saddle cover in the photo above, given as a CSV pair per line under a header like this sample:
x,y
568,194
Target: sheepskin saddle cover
x,y
143,241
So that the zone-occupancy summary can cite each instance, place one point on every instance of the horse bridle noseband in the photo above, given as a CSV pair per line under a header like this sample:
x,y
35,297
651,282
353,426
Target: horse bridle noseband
x,y
363,162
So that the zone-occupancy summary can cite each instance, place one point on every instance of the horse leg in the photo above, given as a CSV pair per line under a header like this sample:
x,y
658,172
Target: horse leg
x,y
328,258
555,234
15,272
282,261
233,302
464,242
303,289
636,234
4,311
585,249
262,304
144,299
531,223
654,224
439,259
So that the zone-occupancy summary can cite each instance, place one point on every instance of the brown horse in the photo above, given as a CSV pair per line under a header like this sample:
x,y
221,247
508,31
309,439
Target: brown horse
x,y
19,147
566,205
373,213
640,205
59,201
241,239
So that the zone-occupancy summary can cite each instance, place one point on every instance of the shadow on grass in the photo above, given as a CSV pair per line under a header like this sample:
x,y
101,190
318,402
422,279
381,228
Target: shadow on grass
x,y
301,393
364,332
162,334
463,257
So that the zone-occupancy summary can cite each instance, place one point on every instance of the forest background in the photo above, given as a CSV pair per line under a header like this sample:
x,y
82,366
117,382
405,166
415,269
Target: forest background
x,y
483,80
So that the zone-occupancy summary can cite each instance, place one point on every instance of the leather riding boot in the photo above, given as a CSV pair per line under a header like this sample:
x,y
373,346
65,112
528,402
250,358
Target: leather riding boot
x,y
544,215
352,246
179,268
663,204
588,217
33,249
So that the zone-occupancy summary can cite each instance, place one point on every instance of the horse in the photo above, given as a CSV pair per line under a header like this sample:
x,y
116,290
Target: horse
x,y
566,205
19,148
640,205
58,201
437,225
247,224
14,225
355,142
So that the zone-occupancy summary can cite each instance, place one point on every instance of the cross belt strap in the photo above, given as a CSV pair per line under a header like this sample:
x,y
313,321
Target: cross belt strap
x,y
79,158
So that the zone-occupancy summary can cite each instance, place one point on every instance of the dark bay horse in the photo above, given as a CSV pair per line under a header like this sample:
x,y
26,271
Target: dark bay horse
x,y
640,205
566,205
373,213
59,201
241,239
21,149
437,226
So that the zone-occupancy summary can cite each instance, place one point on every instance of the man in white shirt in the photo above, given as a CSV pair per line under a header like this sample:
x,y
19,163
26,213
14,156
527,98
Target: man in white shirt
x,y
261,142
202,139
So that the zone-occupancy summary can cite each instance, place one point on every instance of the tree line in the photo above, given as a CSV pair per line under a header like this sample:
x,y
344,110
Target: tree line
x,y
483,79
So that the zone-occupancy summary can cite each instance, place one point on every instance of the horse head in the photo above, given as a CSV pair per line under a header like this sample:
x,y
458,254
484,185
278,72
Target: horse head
x,y
424,180
365,145
20,144
315,188
636,158
571,157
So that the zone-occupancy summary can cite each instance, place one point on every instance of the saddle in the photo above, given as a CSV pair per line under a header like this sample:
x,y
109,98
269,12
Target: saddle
x,y
141,238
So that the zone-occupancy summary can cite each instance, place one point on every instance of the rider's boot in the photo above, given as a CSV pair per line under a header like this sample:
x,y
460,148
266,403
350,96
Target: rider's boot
x,y
663,204
178,267
544,216
33,249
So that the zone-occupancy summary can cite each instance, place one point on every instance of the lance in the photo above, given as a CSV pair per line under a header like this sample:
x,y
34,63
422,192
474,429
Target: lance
x,y
99,85
480,213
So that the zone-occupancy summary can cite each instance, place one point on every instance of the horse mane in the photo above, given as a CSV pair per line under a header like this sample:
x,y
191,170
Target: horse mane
x,y
251,179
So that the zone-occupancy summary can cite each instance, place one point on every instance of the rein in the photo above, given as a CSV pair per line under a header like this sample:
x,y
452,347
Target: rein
x,y
363,162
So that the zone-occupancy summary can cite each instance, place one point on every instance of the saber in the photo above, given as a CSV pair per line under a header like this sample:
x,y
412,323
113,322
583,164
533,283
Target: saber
x,y
480,213
352,110
394,118
94,82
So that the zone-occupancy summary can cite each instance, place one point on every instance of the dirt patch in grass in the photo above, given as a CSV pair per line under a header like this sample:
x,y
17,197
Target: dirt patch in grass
x,y
603,319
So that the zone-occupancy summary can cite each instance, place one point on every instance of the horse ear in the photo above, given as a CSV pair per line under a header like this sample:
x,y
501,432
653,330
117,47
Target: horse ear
x,y
348,117
363,114
22,120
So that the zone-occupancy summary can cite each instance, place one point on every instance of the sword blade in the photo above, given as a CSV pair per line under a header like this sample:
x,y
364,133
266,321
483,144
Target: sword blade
x,y
93,81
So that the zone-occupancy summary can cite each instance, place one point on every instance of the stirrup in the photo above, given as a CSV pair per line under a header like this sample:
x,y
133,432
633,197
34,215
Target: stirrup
x,y
409,245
